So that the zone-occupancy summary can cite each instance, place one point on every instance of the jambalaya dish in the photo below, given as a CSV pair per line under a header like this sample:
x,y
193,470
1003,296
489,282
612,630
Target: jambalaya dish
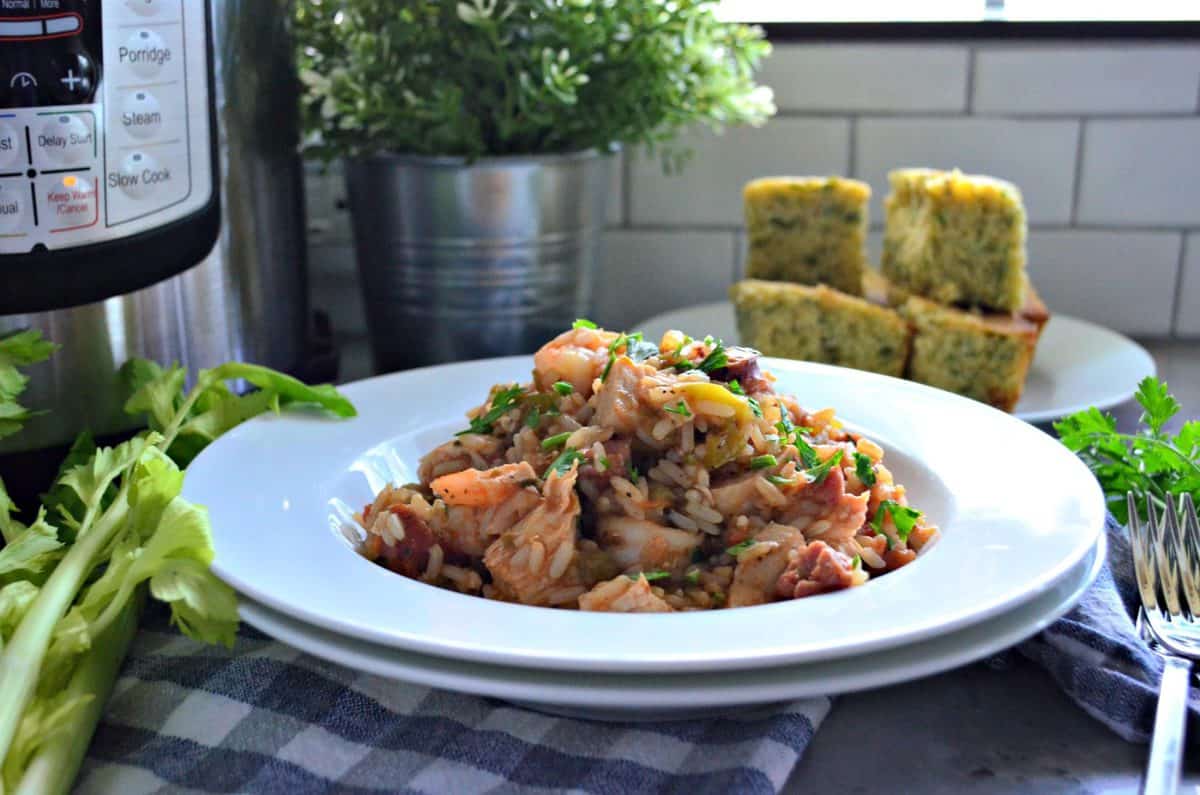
x,y
639,477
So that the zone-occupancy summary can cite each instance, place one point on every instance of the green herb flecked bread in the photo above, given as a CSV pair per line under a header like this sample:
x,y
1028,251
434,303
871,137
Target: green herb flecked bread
x,y
982,356
955,238
807,230
820,324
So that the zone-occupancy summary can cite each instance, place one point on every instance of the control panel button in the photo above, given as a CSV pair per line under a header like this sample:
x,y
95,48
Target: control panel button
x,y
12,203
145,53
73,78
141,175
22,89
141,115
68,201
10,146
144,8
66,138
20,28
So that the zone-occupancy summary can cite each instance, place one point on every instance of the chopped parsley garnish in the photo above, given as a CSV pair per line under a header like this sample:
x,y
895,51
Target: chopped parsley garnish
x,y
557,440
502,403
679,350
856,562
903,517
563,388
633,474
603,464
635,347
779,480
562,465
583,322
533,418
738,549
808,456
693,577
755,409
716,358
819,472
681,409
736,388
763,461
650,575
718,598
864,469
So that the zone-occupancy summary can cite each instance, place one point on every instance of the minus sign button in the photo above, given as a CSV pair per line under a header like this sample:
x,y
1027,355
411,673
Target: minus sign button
x,y
67,24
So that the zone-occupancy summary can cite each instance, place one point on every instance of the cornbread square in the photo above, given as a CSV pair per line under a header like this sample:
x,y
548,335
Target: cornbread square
x,y
982,356
820,324
807,230
955,238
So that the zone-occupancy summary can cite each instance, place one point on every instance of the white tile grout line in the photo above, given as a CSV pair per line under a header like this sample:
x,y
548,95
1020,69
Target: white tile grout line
x,y
852,158
1177,304
1077,177
970,104
627,187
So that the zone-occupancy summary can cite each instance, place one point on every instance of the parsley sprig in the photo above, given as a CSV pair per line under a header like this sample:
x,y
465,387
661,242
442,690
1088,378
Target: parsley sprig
x,y
1152,463
504,401
903,517
818,473
562,465
633,345
864,469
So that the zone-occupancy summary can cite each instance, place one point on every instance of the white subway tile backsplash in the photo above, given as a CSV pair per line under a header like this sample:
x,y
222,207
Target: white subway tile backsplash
x,y
1038,156
1143,172
1123,280
1187,321
867,77
709,191
1062,80
647,272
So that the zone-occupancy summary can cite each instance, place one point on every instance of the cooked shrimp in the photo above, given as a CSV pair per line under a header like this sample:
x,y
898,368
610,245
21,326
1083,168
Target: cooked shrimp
x,y
636,542
577,356
480,487
623,595
617,400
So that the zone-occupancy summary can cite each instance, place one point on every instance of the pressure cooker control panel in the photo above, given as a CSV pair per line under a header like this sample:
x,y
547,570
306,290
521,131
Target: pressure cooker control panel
x,y
104,120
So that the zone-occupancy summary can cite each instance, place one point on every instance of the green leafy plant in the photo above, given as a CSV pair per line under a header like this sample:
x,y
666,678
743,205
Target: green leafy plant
x,y
1153,464
505,77
113,527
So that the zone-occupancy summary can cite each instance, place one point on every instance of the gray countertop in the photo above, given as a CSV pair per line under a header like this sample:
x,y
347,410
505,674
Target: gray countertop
x,y
975,729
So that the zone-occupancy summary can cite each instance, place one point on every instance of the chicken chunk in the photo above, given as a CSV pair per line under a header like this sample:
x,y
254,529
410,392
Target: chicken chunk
x,y
535,562
617,401
758,568
623,595
643,544
818,568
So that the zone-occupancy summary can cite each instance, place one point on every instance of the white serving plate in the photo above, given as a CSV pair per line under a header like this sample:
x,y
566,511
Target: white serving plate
x,y
1078,364
676,696
1018,512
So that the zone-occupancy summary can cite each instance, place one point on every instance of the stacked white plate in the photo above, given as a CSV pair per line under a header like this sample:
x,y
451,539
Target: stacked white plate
x,y
1021,520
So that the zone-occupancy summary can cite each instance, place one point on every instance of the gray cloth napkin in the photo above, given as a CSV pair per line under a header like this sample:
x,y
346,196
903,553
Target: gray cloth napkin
x,y
1096,656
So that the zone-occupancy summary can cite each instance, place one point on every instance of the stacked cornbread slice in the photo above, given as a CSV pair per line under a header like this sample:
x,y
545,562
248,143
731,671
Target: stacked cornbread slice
x,y
953,306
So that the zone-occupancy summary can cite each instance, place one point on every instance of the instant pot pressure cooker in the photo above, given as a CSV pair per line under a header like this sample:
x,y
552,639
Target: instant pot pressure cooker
x,y
150,195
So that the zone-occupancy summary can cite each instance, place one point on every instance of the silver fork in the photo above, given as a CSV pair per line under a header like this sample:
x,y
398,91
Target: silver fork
x,y
1166,561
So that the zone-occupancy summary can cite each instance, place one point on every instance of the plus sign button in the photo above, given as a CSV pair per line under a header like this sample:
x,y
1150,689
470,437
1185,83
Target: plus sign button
x,y
72,78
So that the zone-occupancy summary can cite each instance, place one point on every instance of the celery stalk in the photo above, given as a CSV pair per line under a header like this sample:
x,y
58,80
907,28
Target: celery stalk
x,y
53,770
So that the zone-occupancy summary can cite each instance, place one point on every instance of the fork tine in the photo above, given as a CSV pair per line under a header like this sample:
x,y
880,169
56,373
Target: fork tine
x,y
1189,532
1169,551
1142,546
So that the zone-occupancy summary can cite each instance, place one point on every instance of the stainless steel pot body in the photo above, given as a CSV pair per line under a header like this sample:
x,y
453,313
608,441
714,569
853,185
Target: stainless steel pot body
x,y
247,300
465,261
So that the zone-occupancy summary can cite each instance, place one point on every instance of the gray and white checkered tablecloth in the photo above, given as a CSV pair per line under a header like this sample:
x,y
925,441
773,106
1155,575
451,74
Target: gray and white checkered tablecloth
x,y
265,718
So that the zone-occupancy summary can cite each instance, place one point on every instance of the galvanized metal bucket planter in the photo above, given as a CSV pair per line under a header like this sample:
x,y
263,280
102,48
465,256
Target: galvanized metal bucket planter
x,y
463,261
